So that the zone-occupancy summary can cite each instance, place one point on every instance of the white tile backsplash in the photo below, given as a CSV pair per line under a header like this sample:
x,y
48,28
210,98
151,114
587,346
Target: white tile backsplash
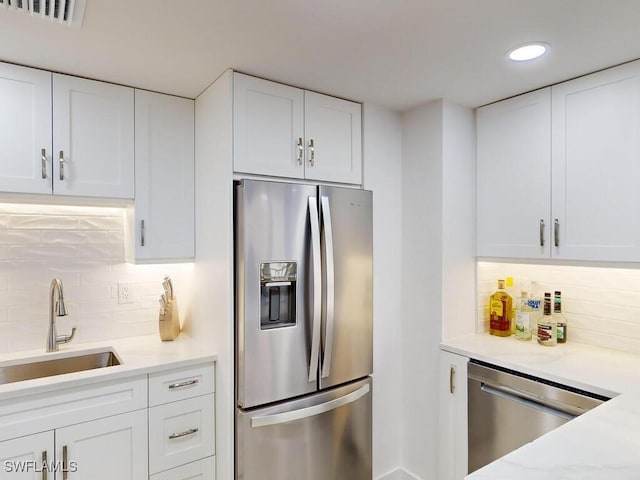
x,y
601,305
84,247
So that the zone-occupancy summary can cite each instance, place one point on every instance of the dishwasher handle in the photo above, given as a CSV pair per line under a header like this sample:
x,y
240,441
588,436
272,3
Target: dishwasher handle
x,y
522,399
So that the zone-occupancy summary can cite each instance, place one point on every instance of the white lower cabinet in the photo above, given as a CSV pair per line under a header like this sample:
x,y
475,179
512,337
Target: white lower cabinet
x,y
104,449
182,423
107,430
25,458
452,396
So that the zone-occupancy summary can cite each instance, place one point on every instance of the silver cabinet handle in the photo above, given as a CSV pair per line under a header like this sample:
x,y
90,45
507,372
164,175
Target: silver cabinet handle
x,y
61,161
542,232
556,232
65,463
330,286
317,289
43,159
312,153
277,418
452,379
300,150
186,433
186,383
142,233
45,466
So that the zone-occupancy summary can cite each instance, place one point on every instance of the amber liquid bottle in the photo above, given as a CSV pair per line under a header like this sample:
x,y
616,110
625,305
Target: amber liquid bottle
x,y
500,308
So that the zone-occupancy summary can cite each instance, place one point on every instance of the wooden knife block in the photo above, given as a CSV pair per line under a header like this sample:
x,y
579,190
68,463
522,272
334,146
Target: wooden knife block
x,y
169,321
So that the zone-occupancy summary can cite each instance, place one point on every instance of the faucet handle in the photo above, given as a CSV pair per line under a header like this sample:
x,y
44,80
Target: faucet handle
x,y
66,338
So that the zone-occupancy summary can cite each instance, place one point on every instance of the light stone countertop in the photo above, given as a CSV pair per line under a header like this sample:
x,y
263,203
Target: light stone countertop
x,y
139,356
602,444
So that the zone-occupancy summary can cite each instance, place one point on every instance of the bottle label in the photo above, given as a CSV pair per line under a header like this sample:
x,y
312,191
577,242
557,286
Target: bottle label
x,y
534,303
560,332
523,322
497,308
545,332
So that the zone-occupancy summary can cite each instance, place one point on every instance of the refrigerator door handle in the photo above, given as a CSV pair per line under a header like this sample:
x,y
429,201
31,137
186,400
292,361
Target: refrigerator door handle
x,y
330,286
317,288
278,418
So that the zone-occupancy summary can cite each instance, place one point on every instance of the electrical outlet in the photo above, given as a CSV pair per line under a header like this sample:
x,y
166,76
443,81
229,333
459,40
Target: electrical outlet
x,y
125,293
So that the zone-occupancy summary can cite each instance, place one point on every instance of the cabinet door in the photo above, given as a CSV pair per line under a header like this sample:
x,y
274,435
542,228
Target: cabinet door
x,y
267,128
29,457
25,129
93,138
164,176
596,166
452,391
105,449
514,177
333,133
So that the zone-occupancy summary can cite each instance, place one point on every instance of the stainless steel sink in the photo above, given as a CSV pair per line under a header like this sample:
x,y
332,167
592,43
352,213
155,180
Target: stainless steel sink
x,y
39,368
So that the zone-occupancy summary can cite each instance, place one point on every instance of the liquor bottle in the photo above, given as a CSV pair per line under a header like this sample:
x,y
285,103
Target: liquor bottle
x,y
561,322
547,335
536,303
500,310
509,286
524,314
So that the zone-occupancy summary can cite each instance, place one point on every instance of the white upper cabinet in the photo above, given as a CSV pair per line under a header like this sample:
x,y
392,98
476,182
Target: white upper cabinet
x,y
285,131
268,127
164,173
64,135
25,129
559,175
596,166
333,139
514,177
93,138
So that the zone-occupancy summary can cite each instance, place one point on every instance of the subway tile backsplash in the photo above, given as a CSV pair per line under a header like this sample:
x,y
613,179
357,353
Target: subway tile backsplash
x,y
84,247
601,304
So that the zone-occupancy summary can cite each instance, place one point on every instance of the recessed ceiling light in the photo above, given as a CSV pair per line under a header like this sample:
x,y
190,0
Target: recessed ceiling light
x,y
528,51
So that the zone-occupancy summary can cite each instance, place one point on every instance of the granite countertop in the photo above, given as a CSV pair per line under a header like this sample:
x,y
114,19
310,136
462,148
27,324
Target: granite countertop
x,y
138,356
601,444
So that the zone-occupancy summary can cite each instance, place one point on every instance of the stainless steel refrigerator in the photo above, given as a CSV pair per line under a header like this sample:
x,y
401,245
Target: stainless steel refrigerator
x,y
303,273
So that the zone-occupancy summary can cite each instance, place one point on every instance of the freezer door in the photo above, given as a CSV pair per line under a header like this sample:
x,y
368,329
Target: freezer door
x,y
321,437
347,313
274,312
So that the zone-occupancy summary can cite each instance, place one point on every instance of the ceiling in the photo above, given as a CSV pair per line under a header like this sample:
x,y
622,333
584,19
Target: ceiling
x,y
397,53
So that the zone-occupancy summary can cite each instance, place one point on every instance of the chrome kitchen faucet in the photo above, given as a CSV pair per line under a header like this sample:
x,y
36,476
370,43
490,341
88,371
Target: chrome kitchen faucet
x,y
56,309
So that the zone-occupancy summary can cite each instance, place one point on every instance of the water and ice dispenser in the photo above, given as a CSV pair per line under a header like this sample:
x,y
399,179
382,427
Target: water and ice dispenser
x,y
277,294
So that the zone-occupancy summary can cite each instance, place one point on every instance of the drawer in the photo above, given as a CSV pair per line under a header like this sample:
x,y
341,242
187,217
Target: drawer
x,y
46,411
181,432
179,384
204,469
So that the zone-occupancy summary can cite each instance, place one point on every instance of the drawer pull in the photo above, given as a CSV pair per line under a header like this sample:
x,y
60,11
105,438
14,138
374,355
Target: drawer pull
x,y
186,433
186,383
65,463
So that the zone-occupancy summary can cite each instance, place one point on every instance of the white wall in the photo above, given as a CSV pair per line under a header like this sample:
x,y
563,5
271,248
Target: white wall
x,y
438,263
383,175
459,221
213,282
421,285
84,247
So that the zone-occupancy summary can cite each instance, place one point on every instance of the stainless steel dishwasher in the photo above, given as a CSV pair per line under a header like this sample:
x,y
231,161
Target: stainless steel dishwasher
x,y
508,409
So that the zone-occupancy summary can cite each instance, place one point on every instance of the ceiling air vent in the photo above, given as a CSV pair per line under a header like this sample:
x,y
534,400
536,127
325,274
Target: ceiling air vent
x,y
66,12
